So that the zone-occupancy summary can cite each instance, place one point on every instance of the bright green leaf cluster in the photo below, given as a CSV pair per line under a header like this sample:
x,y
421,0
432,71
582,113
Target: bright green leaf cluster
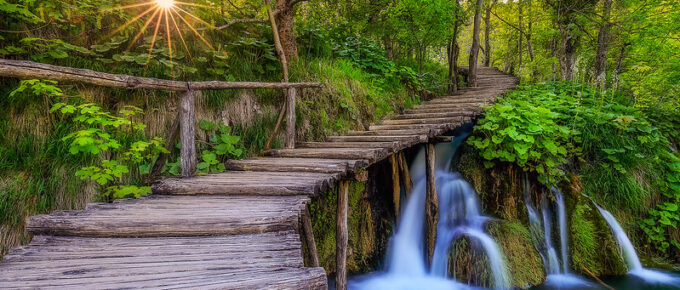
x,y
222,146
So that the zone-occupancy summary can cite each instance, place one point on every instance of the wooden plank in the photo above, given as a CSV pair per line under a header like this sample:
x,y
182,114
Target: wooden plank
x,y
392,146
423,121
373,138
431,200
290,118
449,114
477,109
372,154
289,165
188,134
422,131
197,216
341,237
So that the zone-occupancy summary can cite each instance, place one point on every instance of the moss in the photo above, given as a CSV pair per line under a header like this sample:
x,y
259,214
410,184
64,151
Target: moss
x,y
524,263
363,248
592,245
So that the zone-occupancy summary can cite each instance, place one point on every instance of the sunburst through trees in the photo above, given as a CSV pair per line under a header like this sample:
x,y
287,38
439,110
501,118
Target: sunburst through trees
x,y
165,15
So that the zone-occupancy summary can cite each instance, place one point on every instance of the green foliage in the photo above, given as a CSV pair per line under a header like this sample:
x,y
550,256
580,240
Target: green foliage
x,y
100,134
221,145
664,219
624,160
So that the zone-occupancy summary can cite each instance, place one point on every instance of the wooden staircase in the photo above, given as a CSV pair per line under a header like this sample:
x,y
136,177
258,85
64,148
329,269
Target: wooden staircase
x,y
233,230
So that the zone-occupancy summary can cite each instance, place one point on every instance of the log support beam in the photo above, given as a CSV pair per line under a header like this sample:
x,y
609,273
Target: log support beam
x,y
431,200
290,118
405,175
188,134
396,186
309,238
341,237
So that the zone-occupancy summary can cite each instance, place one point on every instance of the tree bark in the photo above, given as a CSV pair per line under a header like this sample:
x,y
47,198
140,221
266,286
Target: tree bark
x,y
474,50
285,19
519,40
530,45
487,32
603,46
431,200
619,66
567,50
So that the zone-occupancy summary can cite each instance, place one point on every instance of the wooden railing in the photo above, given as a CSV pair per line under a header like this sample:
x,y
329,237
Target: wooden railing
x,y
185,123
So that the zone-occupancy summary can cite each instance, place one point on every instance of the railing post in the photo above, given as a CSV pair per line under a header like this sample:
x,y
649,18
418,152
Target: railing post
x,y
290,118
431,200
188,134
341,237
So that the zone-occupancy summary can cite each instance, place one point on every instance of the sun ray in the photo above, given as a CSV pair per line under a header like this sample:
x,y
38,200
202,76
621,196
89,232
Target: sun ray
x,y
181,37
169,36
153,40
195,17
119,29
141,31
193,29
129,6
194,5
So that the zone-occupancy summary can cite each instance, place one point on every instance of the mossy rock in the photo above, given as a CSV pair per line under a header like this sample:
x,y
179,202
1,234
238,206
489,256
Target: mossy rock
x,y
523,262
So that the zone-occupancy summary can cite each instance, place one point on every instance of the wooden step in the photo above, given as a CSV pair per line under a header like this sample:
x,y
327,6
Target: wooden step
x,y
174,216
248,183
476,109
436,115
370,154
295,165
423,132
406,139
268,260
426,121
391,146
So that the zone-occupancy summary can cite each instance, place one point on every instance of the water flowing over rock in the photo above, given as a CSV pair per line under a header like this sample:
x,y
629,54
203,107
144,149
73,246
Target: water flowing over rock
x,y
460,216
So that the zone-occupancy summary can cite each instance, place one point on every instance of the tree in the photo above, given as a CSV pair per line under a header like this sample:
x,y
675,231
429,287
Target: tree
x,y
474,50
487,33
603,45
568,16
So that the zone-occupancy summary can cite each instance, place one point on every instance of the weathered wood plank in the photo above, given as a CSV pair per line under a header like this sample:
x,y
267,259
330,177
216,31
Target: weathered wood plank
x,y
290,164
392,146
290,118
188,134
197,216
423,121
371,154
33,70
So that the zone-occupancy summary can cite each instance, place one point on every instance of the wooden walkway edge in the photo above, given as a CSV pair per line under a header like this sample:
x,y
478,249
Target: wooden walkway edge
x,y
240,229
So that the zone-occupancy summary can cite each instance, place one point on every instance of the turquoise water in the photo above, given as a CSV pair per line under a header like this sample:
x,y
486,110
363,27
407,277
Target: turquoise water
x,y
627,282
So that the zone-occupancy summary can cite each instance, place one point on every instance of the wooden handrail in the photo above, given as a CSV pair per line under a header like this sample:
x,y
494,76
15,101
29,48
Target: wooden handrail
x,y
23,69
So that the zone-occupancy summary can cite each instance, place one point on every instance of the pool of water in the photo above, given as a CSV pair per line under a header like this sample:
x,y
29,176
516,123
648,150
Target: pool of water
x,y
656,280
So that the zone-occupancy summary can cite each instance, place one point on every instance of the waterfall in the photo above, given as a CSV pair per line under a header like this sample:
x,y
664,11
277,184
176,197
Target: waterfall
x,y
459,216
630,255
541,227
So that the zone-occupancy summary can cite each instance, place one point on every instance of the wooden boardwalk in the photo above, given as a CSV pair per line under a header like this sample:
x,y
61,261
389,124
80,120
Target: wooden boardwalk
x,y
234,230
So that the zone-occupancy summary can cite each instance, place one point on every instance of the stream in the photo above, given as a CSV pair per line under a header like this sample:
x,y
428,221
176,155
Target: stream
x,y
460,216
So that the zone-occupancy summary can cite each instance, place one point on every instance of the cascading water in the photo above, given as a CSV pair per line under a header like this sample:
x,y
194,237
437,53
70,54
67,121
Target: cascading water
x,y
459,215
630,255
541,226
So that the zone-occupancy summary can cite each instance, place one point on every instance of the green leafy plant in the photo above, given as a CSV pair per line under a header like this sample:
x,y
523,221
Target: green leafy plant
x,y
106,137
221,146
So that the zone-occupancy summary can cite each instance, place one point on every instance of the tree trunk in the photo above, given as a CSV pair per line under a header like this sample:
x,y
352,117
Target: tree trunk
x,y
284,19
519,40
474,51
619,65
487,31
453,51
567,51
603,46
530,45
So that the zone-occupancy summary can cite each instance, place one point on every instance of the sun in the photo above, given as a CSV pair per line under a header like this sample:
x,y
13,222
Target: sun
x,y
165,4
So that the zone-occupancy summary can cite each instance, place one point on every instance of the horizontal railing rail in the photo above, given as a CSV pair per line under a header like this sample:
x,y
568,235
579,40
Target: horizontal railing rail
x,y
185,124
